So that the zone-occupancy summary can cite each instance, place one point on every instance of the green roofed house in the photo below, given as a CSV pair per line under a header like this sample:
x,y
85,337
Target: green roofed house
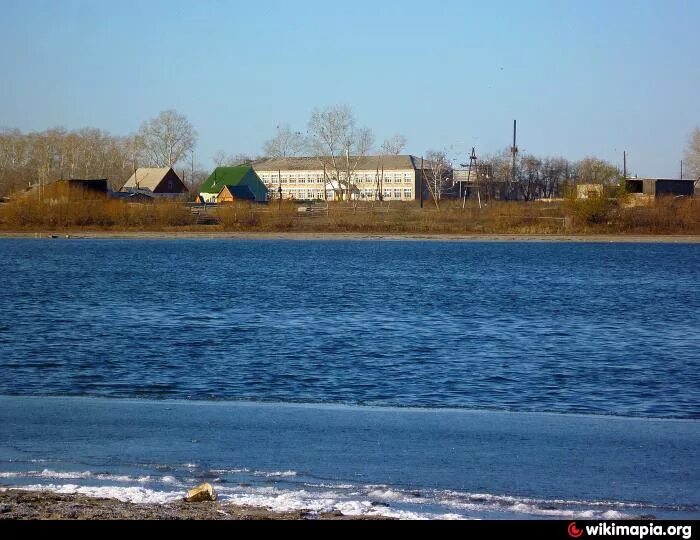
x,y
241,176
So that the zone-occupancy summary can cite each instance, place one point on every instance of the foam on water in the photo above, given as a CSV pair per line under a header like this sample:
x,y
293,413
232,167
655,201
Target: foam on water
x,y
351,500
276,474
75,475
133,494
459,463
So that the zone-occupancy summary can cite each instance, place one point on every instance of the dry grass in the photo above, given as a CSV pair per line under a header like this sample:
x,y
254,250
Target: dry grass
x,y
571,216
65,211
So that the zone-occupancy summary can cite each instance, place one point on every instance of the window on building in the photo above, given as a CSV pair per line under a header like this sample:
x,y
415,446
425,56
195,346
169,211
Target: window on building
x,y
397,194
407,193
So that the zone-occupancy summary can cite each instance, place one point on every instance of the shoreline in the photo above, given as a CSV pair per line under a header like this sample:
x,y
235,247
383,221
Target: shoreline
x,y
300,236
20,504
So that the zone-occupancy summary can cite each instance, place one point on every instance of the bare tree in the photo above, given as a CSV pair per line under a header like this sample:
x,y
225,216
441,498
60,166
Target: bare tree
x,y
593,170
241,158
167,139
393,146
339,145
437,171
692,156
555,172
529,177
220,158
495,175
223,159
41,157
285,143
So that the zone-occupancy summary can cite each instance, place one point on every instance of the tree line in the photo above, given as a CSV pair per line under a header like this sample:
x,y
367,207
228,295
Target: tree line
x,y
58,153
332,136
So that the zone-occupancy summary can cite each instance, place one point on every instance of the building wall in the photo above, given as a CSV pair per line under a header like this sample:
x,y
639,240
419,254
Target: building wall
x,y
171,183
674,187
397,185
224,197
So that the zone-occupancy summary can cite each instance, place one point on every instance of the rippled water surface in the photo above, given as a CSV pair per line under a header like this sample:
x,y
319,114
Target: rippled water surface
x,y
594,328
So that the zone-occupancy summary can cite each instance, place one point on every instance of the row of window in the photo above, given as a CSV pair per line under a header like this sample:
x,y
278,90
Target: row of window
x,y
371,179
298,181
387,194
363,194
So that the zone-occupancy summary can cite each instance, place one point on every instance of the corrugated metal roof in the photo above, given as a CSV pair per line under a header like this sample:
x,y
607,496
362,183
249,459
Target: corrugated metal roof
x,y
242,175
366,163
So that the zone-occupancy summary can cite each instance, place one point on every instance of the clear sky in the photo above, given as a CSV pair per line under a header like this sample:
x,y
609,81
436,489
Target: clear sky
x,y
581,77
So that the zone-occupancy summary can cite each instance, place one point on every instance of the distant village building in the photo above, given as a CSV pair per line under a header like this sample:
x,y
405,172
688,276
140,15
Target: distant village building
x,y
91,186
157,181
71,189
659,187
233,183
480,182
393,178
589,191
229,194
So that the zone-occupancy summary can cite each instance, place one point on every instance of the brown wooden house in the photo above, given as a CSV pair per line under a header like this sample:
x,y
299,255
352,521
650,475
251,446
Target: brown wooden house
x,y
229,194
162,181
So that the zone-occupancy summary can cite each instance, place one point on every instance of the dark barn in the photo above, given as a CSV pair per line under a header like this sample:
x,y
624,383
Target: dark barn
x,y
659,187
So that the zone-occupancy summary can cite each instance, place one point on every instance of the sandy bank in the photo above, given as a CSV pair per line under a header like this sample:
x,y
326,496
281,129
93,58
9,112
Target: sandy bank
x,y
593,238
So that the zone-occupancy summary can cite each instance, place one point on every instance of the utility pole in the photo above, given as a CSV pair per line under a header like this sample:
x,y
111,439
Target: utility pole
x,y
681,169
136,179
279,190
192,168
421,182
624,164
514,152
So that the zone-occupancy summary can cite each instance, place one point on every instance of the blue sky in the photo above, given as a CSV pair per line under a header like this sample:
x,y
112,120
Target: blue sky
x,y
581,77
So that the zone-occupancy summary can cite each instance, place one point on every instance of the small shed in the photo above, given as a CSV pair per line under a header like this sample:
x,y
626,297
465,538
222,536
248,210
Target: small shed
x,y
229,193
77,189
243,175
589,191
89,185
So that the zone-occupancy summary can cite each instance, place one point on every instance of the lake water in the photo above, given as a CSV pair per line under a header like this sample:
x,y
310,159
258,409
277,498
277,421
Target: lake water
x,y
398,377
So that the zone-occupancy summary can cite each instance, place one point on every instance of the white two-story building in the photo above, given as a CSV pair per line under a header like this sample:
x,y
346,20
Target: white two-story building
x,y
389,178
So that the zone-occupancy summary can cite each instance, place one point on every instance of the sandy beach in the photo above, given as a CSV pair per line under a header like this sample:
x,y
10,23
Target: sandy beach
x,y
20,504
220,235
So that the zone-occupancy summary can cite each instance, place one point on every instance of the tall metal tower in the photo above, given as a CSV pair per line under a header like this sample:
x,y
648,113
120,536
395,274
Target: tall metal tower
x,y
514,150
472,167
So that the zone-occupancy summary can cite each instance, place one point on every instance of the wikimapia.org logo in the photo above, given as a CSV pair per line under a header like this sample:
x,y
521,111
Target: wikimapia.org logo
x,y
635,531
